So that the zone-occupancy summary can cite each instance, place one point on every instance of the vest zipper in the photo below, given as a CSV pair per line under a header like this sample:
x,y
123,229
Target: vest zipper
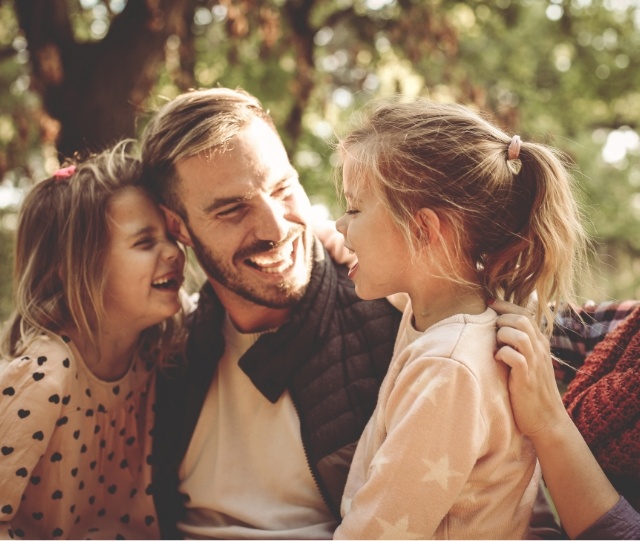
x,y
316,478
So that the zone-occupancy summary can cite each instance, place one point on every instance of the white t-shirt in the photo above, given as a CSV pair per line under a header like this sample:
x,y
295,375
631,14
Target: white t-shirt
x,y
245,471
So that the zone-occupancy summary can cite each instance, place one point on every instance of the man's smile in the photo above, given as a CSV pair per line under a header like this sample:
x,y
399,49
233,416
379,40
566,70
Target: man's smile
x,y
275,261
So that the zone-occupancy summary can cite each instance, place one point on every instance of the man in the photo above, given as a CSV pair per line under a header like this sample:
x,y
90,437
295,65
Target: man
x,y
255,435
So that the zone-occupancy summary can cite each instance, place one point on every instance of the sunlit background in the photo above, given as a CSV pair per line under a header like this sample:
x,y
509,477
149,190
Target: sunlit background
x,y
564,72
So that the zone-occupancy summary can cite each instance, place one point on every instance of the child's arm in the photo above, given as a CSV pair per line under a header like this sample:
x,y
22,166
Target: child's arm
x,y
426,457
30,405
579,488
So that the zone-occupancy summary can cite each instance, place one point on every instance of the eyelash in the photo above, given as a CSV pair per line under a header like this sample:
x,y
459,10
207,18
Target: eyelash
x,y
146,242
228,212
285,191
282,193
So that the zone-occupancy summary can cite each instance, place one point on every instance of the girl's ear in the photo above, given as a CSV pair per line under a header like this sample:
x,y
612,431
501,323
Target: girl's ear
x,y
428,225
176,226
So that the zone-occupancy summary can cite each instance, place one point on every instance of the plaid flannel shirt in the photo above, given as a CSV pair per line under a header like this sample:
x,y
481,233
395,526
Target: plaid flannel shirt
x,y
578,330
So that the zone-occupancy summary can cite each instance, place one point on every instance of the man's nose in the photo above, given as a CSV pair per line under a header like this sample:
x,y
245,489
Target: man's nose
x,y
271,222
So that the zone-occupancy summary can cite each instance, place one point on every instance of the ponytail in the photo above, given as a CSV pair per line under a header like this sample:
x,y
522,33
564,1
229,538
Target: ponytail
x,y
539,259
508,206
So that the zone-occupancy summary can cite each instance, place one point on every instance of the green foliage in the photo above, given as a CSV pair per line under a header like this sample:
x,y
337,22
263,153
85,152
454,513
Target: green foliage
x,y
23,127
565,72
6,263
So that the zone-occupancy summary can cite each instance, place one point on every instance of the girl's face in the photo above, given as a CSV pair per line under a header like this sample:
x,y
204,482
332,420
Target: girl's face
x,y
144,267
383,257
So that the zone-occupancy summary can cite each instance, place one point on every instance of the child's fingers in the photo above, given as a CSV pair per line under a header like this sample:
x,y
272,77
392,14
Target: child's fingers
x,y
521,322
504,307
525,325
517,339
512,358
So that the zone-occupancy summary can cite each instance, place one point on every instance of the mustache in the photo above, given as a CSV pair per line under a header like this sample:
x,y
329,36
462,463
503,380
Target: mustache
x,y
262,246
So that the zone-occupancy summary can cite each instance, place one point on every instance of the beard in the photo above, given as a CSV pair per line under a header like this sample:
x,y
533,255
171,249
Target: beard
x,y
282,295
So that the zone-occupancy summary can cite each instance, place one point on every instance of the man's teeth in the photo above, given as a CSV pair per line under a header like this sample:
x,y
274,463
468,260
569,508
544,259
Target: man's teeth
x,y
274,262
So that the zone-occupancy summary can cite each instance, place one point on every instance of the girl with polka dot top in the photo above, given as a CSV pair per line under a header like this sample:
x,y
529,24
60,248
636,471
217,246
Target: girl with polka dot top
x,y
96,297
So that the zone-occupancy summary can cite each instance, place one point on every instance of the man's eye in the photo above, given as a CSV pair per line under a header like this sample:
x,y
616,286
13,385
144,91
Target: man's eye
x,y
283,192
230,212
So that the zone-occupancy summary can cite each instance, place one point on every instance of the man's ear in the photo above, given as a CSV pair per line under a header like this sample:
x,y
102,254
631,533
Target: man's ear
x,y
176,226
428,225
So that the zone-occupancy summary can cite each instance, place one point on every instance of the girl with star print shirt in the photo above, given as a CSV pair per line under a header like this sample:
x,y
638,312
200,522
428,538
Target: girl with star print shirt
x,y
96,293
448,210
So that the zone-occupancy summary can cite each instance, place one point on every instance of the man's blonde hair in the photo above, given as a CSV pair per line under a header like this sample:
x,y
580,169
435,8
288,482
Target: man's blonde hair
x,y
195,122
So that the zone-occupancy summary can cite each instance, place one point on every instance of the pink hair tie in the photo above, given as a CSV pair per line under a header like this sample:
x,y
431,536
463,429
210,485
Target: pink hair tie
x,y
514,147
65,172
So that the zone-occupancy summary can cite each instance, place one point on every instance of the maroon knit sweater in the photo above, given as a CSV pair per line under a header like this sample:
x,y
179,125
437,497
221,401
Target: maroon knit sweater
x,y
604,402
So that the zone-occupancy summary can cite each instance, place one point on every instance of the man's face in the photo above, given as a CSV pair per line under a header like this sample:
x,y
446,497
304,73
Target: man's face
x,y
246,219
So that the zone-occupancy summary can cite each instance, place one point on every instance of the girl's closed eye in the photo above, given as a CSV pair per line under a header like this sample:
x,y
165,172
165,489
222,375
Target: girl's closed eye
x,y
145,243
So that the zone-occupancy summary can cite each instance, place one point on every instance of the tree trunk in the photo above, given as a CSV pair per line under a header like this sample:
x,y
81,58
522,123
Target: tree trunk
x,y
96,89
299,15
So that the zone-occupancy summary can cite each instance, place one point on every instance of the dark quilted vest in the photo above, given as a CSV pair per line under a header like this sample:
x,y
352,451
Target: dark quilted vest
x,y
332,356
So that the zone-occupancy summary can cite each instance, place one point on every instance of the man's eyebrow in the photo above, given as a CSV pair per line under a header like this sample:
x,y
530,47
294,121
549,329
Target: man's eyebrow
x,y
225,201
222,202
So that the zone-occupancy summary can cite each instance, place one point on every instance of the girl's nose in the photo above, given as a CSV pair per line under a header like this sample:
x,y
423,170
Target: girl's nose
x,y
171,251
341,224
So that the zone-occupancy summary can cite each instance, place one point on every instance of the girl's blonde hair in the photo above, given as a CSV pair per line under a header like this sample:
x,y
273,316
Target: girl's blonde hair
x,y
515,222
60,250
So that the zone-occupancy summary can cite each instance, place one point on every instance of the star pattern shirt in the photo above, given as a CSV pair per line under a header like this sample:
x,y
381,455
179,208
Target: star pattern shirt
x,y
441,456
75,451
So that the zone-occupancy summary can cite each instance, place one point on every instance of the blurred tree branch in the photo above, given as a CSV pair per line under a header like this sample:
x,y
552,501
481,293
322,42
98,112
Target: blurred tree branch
x,y
95,89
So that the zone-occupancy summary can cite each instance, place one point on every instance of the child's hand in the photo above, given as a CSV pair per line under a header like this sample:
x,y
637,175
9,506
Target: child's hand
x,y
535,399
333,241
